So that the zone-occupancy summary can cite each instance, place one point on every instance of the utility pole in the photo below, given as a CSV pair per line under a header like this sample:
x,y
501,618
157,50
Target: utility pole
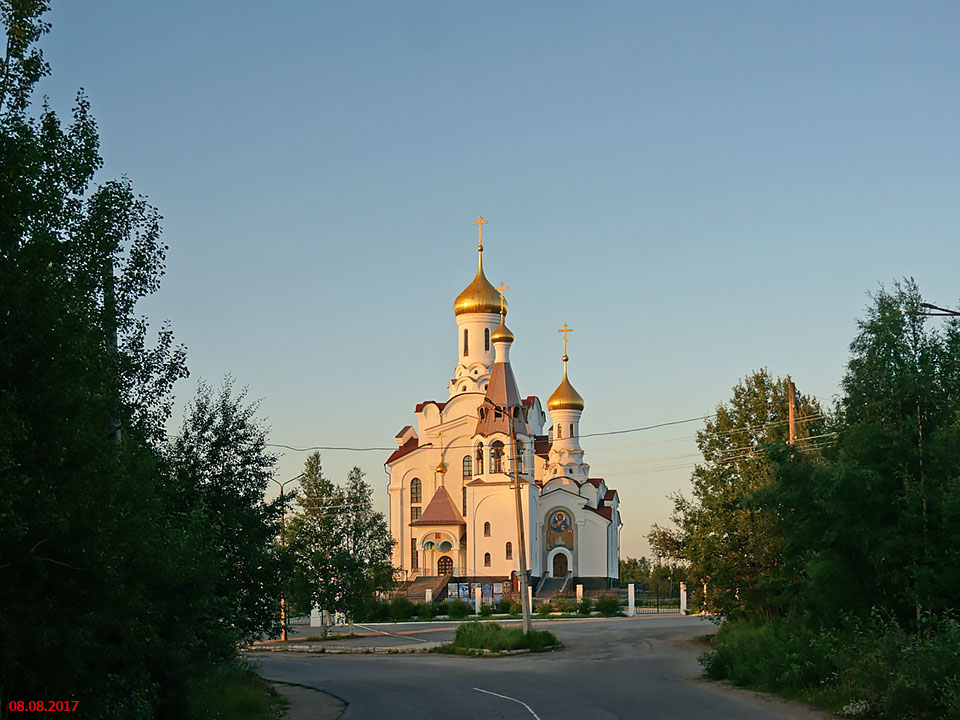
x,y
792,413
524,594
283,543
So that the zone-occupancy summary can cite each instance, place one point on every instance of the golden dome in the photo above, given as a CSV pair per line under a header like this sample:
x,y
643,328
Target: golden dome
x,y
479,296
502,333
565,397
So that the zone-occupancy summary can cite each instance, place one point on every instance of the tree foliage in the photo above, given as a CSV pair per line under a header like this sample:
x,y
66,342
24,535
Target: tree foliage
x,y
729,538
120,583
340,546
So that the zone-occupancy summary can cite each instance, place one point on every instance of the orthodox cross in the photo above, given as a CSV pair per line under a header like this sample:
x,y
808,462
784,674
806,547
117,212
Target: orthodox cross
x,y
565,330
480,222
500,288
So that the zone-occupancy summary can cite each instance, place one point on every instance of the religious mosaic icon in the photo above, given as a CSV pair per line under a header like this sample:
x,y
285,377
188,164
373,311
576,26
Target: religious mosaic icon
x,y
560,521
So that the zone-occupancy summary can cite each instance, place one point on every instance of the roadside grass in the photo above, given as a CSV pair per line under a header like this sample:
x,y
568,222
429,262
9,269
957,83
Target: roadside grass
x,y
476,638
234,692
867,669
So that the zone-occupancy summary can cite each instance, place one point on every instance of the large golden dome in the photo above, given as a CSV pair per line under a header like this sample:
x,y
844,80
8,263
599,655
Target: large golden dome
x,y
565,397
479,296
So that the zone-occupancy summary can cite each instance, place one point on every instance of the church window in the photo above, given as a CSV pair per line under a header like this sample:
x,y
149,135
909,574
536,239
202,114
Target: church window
x,y
464,502
466,342
509,551
496,457
520,452
486,559
445,546
571,430
467,466
486,339
480,459
486,529
416,491
415,512
413,554
559,432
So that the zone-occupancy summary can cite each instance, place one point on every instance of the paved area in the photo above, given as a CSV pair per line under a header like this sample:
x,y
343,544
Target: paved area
x,y
309,704
610,668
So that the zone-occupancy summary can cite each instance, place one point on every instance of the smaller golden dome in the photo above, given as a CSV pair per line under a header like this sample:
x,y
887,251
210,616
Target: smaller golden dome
x,y
565,397
442,467
479,296
502,333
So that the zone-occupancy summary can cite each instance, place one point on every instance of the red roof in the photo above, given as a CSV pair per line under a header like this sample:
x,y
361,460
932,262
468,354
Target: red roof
x,y
606,512
530,400
408,447
440,511
541,445
595,481
420,406
609,495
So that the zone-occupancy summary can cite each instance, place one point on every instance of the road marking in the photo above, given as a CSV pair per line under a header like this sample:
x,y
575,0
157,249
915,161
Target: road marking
x,y
384,632
507,697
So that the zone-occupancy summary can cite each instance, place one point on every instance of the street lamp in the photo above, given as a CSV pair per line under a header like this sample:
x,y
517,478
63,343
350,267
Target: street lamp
x,y
939,311
283,542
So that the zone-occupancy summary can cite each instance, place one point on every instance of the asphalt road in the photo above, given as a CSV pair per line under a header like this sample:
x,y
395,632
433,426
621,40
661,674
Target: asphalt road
x,y
644,667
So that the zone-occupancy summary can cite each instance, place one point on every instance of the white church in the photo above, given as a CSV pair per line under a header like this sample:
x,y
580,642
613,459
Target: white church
x,y
452,498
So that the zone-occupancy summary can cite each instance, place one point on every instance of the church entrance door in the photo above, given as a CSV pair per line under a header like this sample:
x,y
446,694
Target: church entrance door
x,y
445,565
559,565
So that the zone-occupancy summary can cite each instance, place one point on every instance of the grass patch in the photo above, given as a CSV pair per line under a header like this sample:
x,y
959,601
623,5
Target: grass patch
x,y
475,637
234,692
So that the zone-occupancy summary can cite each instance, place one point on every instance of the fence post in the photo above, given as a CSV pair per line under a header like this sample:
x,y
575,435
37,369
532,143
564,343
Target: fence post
x,y
579,594
631,600
476,600
428,596
683,598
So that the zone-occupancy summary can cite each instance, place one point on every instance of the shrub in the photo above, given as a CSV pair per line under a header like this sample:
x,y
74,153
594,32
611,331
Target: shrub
x,y
491,636
608,605
401,609
458,609
545,609
441,608
486,610
375,611
424,611
509,607
585,606
562,604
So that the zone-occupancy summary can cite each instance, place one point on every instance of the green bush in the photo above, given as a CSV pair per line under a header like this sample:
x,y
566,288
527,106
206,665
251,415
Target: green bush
x,y
509,607
374,611
401,609
441,608
491,636
871,668
545,609
562,604
458,609
585,606
608,605
486,611
424,611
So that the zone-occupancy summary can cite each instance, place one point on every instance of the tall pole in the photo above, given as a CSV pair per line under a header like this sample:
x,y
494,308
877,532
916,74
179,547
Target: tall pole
x,y
792,415
283,543
524,594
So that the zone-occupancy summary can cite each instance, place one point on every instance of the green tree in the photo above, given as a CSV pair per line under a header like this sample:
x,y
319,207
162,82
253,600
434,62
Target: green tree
x,y
341,547
875,526
220,469
730,539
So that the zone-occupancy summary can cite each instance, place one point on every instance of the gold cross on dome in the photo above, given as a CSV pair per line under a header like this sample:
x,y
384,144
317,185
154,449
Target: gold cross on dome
x,y
565,330
500,288
480,222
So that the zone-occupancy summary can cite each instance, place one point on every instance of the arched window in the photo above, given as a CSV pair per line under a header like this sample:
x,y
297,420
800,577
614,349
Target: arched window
x,y
486,339
486,529
559,432
466,343
464,502
520,451
509,551
486,559
467,466
496,457
413,554
479,456
571,430
416,491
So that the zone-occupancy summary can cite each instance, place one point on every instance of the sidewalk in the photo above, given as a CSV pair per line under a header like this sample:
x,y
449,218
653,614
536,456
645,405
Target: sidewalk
x,y
309,704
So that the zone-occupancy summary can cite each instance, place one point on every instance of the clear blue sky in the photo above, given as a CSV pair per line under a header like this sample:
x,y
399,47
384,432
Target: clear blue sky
x,y
699,189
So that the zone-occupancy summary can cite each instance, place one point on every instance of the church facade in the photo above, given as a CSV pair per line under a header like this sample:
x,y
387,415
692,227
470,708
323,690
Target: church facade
x,y
453,502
